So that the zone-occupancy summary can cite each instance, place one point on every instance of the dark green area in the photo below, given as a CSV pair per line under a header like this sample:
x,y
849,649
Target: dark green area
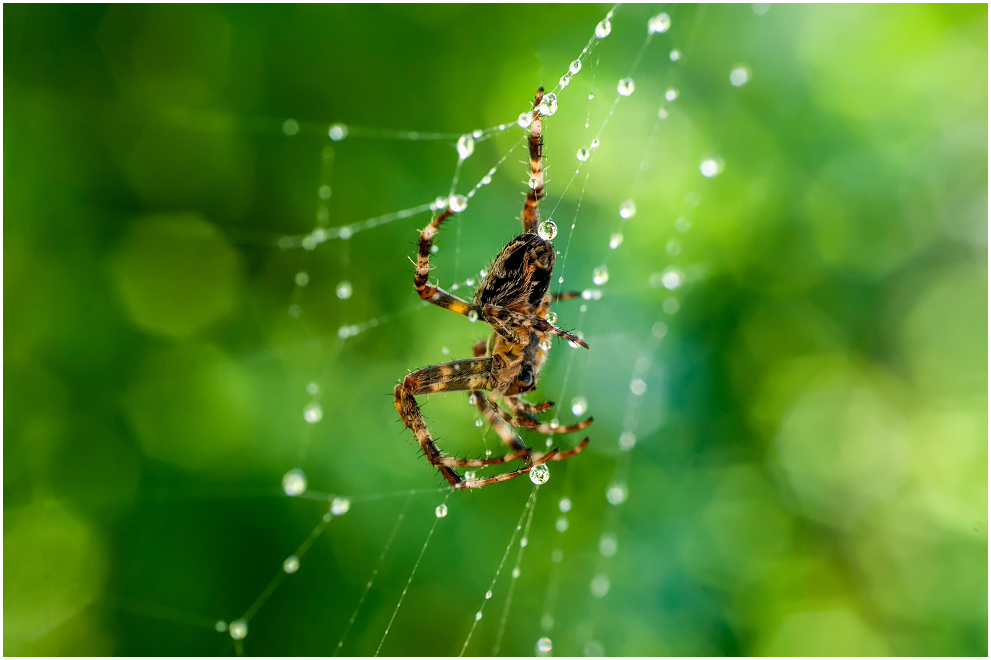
x,y
810,469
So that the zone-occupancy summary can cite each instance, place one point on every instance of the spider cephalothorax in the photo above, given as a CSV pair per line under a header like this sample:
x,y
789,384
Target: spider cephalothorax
x,y
513,298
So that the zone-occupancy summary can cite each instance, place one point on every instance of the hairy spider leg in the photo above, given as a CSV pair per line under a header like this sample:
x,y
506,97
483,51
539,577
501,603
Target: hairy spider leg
x,y
427,291
501,318
565,295
531,217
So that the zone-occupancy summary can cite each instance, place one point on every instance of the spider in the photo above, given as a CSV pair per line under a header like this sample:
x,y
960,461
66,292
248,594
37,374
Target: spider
x,y
513,298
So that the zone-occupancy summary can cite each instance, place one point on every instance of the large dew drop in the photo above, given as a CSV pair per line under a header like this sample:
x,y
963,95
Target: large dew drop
x,y
625,87
340,505
545,645
458,203
659,23
548,105
238,629
711,166
337,132
465,146
615,240
294,482
291,564
441,510
540,474
525,119
603,29
547,230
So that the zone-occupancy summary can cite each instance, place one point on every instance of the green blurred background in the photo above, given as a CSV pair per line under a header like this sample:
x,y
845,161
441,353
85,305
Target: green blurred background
x,y
810,469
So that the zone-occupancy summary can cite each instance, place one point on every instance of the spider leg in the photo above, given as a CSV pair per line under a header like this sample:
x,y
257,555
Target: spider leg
x,y
565,295
522,417
496,417
531,217
476,483
427,291
500,317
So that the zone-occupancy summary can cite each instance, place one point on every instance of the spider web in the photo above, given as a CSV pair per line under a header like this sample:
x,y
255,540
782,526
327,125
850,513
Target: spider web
x,y
321,530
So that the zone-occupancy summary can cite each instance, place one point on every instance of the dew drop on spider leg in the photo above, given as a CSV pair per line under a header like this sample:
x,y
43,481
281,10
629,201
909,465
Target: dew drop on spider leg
x,y
548,105
294,482
465,146
539,474
441,510
551,317
472,315
547,230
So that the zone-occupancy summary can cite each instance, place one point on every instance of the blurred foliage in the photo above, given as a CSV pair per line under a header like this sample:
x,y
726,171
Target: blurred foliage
x,y
810,470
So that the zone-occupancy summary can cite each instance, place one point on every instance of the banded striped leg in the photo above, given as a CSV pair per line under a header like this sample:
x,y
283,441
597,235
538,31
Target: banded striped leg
x,y
522,417
498,317
428,291
472,373
565,295
531,217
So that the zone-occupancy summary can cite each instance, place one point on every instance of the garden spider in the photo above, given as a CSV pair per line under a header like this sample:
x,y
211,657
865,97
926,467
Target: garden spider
x,y
513,298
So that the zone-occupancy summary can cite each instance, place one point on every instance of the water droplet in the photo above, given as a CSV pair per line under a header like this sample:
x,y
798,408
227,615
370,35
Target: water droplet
x,y
627,441
478,422
473,399
525,119
638,386
344,290
546,621
294,482
659,23
302,278
673,247
603,29
600,275
579,405
582,154
238,629
445,350
220,626
545,645
564,80
488,594
312,389
659,330
324,192
547,230
487,179
671,278
616,494
625,86
594,649
600,585
615,240
344,233
711,166
478,615
470,281
675,55
313,412
295,310
337,132
594,143
465,146
524,542
627,209
516,572
670,305
540,474
469,475
291,564
607,544
548,105
533,182
564,505
472,315
340,505
561,524
662,113
308,243
671,94
682,224
458,203
557,555
441,510
575,67
739,76
546,345
290,127
551,317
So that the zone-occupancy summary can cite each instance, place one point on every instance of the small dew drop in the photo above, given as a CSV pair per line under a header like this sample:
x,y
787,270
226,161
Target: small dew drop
x,y
309,243
579,405
486,180
340,505
548,105
473,399
547,621
472,315
547,230
441,510
540,474
600,275
488,594
670,305
545,645
564,80
659,23
478,615
469,475
445,350
594,143
338,132
324,192
616,494
599,586
671,94
627,441
608,545
478,423
344,233
626,87
675,55
682,224
525,119
557,556
312,412
761,8
711,166
594,649
344,290
575,67
673,247
302,278
582,154
564,505
671,279
638,386
524,542
615,240
294,482
220,626
238,629
295,310
627,209
659,330
290,127
561,524
465,146
458,203
312,389
662,113
739,76
516,572
470,281
291,564
603,29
